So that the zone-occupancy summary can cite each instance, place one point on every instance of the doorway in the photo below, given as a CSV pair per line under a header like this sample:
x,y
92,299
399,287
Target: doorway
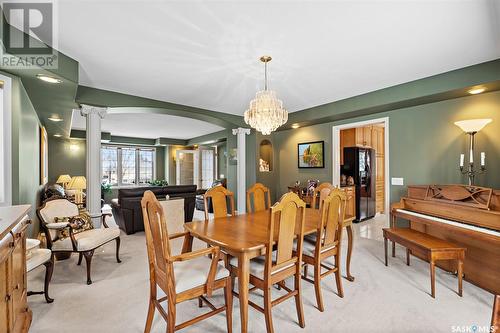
x,y
186,172
361,160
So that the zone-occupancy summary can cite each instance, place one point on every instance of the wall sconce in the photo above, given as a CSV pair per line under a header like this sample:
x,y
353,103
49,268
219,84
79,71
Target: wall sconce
x,y
73,147
471,127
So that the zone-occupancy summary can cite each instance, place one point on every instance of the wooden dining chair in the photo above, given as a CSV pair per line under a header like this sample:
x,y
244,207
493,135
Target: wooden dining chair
x,y
259,193
327,244
320,193
182,277
287,223
218,196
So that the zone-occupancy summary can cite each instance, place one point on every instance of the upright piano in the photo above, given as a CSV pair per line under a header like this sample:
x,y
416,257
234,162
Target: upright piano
x,y
465,215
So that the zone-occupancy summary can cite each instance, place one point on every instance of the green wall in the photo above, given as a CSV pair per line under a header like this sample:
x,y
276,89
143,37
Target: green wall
x,y
66,156
424,144
25,151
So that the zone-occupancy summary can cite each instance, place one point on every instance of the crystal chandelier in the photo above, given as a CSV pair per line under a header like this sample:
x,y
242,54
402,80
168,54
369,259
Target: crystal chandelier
x,y
266,112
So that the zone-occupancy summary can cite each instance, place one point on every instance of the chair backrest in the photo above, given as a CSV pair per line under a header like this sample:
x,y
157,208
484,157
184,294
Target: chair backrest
x,y
218,196
53,208
332,215
157,242
287,221
259,193
320,193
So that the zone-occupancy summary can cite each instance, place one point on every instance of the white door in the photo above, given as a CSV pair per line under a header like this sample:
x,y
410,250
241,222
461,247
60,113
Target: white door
x,y
208,167
187,167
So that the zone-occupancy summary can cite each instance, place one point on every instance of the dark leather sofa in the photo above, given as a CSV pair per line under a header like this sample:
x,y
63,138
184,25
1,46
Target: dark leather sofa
x,y
127,209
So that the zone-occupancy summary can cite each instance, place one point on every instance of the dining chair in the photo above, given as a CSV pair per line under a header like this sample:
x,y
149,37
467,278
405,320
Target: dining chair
x,y
219,196
181,277
320,193
327,244
287,222
259,193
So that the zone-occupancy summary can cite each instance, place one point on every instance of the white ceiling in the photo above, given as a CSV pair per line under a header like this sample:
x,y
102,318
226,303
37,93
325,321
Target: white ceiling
x,y
205,54
149,126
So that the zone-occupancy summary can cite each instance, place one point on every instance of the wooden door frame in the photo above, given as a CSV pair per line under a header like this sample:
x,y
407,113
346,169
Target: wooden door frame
x,y
336,154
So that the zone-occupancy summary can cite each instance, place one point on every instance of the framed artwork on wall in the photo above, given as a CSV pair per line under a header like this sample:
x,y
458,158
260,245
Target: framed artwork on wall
x,y
44,156
311,154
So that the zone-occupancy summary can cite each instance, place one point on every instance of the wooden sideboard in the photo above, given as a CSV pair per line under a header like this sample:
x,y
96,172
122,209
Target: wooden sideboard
x,y
15,315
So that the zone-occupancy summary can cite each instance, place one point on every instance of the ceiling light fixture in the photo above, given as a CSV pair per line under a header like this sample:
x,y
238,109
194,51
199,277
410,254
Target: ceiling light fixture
x,y
294,126
266,112
57,135
475,91
56,119
47,78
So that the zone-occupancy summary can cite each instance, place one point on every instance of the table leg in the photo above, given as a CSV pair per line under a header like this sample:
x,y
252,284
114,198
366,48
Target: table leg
x,y
243,282
349,253
187,245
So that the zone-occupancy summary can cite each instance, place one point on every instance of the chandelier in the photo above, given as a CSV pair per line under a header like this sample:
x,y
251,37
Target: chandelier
x,y
266,112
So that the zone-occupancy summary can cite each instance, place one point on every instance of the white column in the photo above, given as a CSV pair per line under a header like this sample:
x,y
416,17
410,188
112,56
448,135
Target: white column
x,y
241,173
93,117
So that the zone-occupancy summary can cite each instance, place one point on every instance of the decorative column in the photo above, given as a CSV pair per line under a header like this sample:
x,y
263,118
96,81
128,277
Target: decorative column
x,y
241,173
93,115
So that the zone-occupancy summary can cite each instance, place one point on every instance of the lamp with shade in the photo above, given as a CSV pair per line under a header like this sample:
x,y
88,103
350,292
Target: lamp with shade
x,y
64,180
471,127
78,183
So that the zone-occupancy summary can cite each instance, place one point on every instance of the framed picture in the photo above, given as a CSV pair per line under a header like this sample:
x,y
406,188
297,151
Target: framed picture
x,y
311,154
44,157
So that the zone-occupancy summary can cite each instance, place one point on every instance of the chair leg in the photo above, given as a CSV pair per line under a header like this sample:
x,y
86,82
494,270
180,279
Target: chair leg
x,y
385,250
200,302
338,277
150,317
317,286
408,252
298,299
267,310
171,317
88,259
228,295
305,270
118,241
49,268
80,257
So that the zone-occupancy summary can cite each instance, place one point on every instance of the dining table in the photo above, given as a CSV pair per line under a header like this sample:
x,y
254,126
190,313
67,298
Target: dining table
x,y
245,237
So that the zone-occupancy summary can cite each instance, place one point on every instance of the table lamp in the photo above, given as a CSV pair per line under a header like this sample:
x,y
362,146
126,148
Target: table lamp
x,y
78,183
471,127
64,180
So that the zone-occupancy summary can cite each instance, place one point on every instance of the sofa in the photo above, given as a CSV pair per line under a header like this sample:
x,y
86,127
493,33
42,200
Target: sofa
x,y
127,207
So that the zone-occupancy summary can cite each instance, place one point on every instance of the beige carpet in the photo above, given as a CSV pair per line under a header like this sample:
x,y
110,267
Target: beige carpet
x,y
382,299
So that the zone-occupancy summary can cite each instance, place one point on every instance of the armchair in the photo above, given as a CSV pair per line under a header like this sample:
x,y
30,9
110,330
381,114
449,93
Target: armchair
x,y
84,243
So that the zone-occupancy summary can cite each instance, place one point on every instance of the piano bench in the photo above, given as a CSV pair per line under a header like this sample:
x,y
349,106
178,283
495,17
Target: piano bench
x,y
430,247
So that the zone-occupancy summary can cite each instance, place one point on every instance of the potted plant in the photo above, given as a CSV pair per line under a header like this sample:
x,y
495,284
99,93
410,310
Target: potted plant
x,y
105,188
158,182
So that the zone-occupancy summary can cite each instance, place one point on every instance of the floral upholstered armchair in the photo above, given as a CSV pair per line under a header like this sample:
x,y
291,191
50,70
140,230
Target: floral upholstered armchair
x,y
69,230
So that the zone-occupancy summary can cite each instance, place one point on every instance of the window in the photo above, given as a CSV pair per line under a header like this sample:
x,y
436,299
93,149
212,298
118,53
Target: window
x,y
127,166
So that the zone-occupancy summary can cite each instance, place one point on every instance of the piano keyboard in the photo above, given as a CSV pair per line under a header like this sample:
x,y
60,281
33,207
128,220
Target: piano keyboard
x,y
453,223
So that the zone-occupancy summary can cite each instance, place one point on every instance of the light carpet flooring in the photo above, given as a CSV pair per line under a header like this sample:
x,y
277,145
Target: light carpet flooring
x,y
381,299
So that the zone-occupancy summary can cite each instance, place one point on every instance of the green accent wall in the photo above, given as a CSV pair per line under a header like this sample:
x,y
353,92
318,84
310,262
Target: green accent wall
x,y
66,156
424,144
25,150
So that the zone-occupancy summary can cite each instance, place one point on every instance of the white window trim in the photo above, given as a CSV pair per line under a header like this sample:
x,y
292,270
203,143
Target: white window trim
x,y
137,164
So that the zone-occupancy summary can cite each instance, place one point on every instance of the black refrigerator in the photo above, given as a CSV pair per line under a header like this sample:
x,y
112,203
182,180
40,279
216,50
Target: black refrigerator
x,y
359,163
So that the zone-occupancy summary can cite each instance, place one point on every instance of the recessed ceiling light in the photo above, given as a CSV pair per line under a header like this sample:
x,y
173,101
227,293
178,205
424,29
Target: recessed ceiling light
x,y
475,91
48,78
295,126
56,119
57,135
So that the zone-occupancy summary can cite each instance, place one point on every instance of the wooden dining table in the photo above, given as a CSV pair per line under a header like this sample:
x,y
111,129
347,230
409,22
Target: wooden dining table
x,y
245,236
